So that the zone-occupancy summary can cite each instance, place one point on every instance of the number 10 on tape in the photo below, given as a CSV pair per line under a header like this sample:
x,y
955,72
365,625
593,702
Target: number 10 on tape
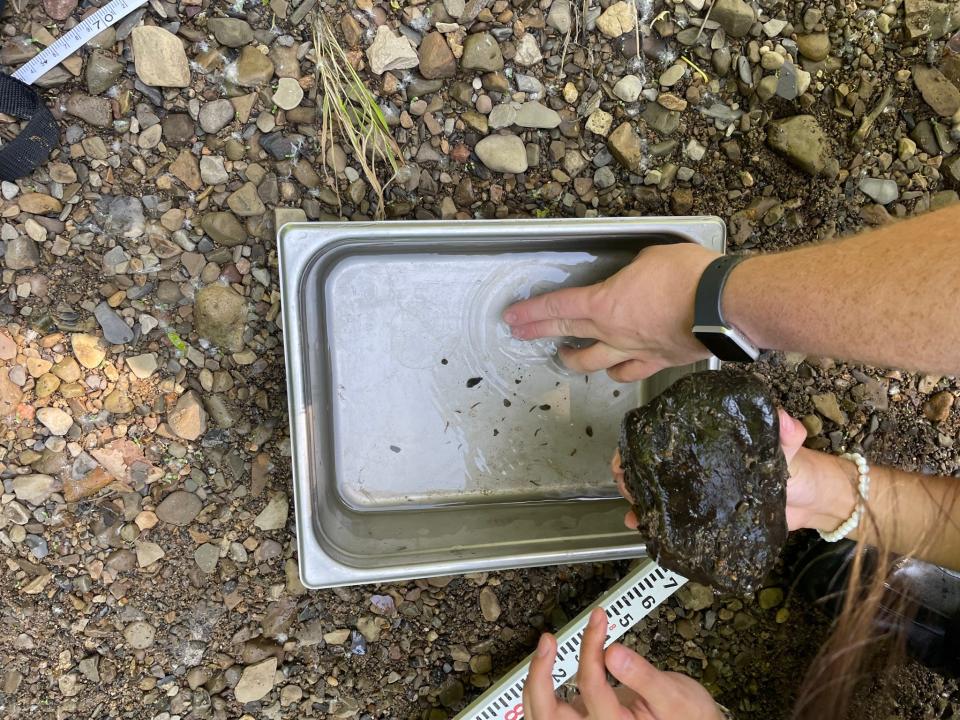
x,y
76,37
625,604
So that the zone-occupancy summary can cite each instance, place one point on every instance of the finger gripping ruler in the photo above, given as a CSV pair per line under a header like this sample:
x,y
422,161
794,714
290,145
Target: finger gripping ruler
x,y
625,604
76,37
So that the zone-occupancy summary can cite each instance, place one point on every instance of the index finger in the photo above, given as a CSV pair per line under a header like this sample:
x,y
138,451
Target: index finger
x,y
539,700
598,696
565,304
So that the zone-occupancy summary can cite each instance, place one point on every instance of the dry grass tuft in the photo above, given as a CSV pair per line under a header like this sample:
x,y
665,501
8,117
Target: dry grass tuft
x,y
349,112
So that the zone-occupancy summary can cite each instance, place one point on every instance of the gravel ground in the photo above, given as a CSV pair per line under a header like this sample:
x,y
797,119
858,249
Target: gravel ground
x,y
149,562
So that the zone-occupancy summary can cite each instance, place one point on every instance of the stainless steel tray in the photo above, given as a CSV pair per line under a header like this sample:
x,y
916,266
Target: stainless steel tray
x,y
427,441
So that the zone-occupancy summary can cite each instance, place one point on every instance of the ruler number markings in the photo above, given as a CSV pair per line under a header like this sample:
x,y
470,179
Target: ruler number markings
x,y
632,599
514,713
75,38
107,19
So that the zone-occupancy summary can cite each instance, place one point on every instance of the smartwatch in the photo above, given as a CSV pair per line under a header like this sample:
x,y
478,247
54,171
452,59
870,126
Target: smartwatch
x,y
719,337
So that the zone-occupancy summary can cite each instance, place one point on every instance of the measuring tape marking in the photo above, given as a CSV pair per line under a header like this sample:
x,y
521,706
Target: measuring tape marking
x,y
76,37
625,604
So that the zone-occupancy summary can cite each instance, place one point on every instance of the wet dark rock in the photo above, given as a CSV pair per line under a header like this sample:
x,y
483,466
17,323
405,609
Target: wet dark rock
x,y
704,468
154,94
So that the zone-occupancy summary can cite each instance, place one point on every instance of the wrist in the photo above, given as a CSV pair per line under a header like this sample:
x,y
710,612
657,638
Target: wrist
x,y
695,269
694,262
834,492
743,298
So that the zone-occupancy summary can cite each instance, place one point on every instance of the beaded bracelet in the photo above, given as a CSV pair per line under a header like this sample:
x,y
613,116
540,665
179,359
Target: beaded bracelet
x,y
863,491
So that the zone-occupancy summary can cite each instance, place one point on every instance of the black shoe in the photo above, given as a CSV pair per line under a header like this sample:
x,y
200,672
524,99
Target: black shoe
x,y
931,595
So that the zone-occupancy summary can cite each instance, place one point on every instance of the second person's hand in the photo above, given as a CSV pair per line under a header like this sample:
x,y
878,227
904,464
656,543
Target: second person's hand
x,y
641,317
646,693
821,490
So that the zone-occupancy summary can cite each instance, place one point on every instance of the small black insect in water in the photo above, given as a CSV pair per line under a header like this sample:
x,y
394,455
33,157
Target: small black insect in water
x,y
473,382
707,477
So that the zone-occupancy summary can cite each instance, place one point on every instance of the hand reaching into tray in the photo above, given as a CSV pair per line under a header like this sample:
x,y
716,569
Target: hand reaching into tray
x,y
646,693
861,299
641,317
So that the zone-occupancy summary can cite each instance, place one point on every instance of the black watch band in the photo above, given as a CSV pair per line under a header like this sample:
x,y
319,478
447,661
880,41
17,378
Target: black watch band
x,y
709,325
707,310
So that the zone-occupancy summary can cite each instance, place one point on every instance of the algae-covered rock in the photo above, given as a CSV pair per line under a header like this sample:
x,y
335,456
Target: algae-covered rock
x,y
704,469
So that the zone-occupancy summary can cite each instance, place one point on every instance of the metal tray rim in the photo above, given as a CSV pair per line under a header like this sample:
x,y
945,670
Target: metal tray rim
x,y
317,568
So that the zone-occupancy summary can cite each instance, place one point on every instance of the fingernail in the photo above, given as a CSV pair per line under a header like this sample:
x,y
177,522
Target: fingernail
x,y
515,332
787,421
509,317
597,617
617,658
543,647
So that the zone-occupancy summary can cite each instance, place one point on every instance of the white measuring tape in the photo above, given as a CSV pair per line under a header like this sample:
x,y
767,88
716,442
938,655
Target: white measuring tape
x,y
625,604
76,37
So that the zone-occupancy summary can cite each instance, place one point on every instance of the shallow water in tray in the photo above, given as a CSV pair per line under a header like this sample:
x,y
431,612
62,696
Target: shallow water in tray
x,y
437,404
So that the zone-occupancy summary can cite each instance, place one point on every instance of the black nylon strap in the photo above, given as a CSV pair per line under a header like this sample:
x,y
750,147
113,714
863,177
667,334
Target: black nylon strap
x,y
39,137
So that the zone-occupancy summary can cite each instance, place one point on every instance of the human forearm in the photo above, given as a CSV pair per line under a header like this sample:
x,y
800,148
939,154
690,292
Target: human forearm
x,y
907,513
889,297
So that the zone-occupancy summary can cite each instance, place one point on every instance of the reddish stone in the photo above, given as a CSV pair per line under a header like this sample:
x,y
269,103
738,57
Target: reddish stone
x,y
59,9
230,273
10,396
25,413
436,58
460,153
93,482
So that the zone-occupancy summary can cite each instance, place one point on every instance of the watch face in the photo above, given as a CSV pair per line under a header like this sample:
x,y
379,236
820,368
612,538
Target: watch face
x,y
724,347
